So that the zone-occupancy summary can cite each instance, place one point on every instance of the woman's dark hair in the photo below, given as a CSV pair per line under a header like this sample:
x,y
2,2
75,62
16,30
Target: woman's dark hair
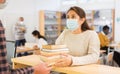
x,y
35,32
80,12
1,25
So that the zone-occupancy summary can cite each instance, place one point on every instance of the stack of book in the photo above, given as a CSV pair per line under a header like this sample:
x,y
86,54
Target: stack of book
x,y
51,53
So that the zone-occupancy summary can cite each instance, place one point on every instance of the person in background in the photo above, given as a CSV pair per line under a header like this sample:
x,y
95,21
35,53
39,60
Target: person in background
x,y
40,40
19,31
82,42
41,68
104,40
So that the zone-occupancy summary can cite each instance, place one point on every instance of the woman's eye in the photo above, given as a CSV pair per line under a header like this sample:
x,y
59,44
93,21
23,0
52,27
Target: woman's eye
x,y
73,17
67,17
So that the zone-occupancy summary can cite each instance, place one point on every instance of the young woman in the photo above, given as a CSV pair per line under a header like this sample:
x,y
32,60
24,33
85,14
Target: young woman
x,y
82,42
41,40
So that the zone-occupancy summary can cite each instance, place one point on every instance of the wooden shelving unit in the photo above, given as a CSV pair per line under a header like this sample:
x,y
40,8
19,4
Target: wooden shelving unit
x,y
113,23
50,25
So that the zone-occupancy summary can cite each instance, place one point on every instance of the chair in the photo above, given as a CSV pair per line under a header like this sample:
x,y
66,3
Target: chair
x,y
109,59
116,57
102,56
99,60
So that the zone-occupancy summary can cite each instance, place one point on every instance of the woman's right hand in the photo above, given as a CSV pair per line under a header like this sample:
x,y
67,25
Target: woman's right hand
x,y
42,68
35,47
36,50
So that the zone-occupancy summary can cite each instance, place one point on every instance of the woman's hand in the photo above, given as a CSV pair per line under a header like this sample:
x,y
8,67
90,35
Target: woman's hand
x,y
22,28
36,50
42,68
35,47
65,60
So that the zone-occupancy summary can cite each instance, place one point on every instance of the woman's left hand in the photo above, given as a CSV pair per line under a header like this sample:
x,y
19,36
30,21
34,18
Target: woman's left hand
x,y
35,47
65,60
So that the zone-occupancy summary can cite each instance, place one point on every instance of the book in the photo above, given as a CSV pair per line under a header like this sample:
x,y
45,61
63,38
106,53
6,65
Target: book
x,y
49,60
56,50
52,47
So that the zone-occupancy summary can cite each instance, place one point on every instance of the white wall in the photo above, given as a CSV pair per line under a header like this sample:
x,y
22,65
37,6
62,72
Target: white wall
x,y
29,9
92,5
15,9
48,4
117,20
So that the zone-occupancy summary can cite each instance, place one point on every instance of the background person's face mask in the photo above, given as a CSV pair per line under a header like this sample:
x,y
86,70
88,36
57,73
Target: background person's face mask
x,y
72,24
21,22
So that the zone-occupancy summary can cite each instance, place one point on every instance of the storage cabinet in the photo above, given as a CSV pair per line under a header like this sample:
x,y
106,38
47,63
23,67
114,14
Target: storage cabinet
x,y
50,25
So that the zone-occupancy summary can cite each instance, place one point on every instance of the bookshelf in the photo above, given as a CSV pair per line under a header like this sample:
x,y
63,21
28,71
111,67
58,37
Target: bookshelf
x,y
50,25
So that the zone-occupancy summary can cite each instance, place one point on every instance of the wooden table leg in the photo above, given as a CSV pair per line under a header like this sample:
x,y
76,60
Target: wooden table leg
x,y
17,66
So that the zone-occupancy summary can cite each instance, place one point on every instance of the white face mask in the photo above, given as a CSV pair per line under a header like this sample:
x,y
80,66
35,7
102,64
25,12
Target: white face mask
x,y
72,24
21,22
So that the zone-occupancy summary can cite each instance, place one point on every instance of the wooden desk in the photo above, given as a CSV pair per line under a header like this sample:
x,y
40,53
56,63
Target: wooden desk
x,y
33,60
27,49
23,49
89,69
114,45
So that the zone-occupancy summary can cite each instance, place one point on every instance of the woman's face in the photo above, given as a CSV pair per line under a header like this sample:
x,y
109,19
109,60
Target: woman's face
x,y
73,15
21,19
